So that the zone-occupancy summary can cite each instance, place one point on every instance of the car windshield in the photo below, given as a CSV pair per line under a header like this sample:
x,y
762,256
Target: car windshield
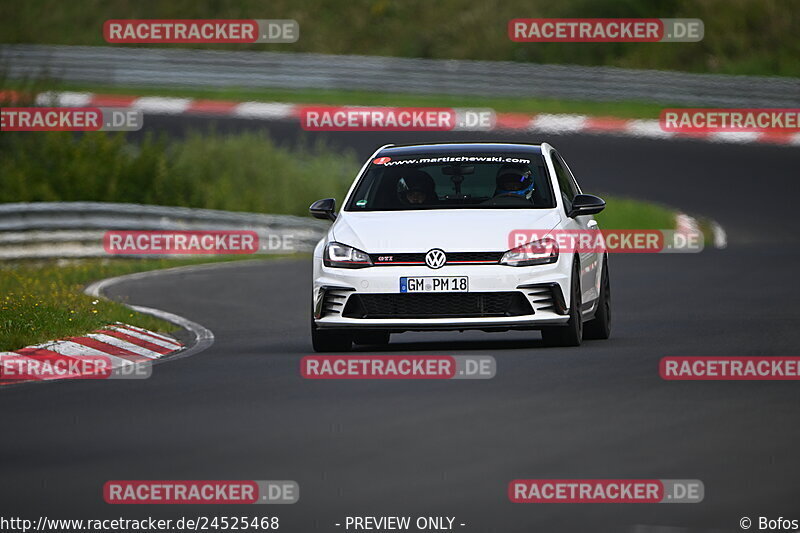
x,y
494,181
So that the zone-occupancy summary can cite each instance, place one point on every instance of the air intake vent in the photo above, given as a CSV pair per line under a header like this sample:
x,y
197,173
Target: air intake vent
x,y
545,297
438,305
330,301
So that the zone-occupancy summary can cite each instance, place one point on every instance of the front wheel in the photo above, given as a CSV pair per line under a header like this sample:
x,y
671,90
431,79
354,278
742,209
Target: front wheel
x,y
572,333
600,326
329,341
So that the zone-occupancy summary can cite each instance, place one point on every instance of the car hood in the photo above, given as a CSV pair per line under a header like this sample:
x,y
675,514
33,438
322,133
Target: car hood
x,y
452,230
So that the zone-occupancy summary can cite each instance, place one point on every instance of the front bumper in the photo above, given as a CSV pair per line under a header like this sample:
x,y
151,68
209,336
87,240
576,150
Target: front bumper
x,y
544,287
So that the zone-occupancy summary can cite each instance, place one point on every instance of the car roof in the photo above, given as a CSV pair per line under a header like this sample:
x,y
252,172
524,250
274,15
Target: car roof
x,y
460,147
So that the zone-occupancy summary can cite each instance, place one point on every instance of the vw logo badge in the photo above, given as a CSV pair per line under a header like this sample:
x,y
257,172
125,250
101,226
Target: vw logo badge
x,y
435,258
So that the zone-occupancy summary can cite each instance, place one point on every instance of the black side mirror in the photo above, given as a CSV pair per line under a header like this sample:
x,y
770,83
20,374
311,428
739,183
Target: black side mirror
x,y
323,209
586,204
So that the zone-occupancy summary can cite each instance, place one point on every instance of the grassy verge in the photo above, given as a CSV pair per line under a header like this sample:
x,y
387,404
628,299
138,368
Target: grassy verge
x,y
627,213
623,109
44,300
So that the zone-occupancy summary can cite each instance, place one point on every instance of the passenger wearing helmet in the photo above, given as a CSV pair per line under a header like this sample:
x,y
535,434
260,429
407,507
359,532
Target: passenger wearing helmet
x,y
416,188
514,180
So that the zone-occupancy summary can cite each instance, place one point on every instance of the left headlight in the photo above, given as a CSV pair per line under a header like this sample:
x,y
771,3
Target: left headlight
x,y
343,256
539,252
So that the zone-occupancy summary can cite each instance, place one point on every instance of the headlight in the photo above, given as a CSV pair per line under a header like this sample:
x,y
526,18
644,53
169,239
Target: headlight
x,y
539,252
343,256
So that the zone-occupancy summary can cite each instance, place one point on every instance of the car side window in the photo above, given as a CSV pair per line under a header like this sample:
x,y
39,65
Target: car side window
x,y
566,185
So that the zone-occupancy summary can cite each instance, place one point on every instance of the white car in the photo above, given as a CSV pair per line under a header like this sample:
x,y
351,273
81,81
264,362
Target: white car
x,y
428,240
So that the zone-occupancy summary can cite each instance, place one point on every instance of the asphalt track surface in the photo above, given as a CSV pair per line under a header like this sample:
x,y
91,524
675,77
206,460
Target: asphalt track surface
x,y
240,410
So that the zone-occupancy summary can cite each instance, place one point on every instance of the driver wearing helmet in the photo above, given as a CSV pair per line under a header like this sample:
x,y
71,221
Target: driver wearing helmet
x,y
417,188
514,180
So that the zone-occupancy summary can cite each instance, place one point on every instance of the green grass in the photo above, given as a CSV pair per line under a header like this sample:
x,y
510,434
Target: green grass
x,y
627,213
44,300
623,109
741,36
243,172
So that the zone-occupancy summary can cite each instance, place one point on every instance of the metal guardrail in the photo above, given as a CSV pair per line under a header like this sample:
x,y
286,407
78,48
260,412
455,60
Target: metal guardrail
x,y
76,229
211,68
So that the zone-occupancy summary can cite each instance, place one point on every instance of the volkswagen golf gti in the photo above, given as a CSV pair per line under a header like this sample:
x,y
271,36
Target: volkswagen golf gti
x,y
455,237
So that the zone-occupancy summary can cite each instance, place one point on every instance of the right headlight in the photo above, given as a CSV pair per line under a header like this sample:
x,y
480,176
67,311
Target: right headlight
x,y
343,256
539,252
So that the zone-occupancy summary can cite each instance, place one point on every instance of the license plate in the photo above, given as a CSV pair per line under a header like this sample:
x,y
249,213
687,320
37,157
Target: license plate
x,y
435,284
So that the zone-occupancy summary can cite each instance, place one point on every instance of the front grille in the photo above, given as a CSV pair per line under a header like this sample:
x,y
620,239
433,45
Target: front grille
x,y
453,258
437,305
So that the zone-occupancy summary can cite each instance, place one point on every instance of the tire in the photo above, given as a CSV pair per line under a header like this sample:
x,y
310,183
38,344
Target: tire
x,y
378,337
329,341
572,333
600,326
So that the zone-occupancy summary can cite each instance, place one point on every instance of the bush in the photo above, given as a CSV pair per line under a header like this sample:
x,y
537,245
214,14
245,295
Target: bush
x,y
245,172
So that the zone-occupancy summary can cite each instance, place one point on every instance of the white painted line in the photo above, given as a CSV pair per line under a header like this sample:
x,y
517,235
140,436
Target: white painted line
x,y
686,224
162,106
689,225
203,337
64,99
73,349
125,345
720,236
734,136
148,332
266,110
549,123
151,336
647,128
147,338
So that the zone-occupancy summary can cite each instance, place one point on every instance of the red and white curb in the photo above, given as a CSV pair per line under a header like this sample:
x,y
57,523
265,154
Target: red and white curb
x,y
687,225
120,344
539,123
